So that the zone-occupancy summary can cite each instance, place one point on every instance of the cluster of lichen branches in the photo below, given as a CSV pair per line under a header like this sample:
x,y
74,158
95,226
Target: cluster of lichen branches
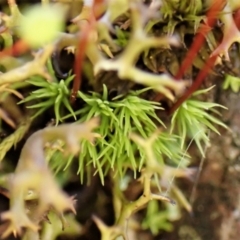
x,y
33,197
124,210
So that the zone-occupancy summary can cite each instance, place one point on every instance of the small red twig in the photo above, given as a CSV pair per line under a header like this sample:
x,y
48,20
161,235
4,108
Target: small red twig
x,y
17,49
82,45
198,42
200,77
78,64
192,53
200,37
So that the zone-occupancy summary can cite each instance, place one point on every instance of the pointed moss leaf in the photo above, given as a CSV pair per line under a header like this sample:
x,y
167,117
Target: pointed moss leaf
x,y
200,148
93,112
50,68
69,161
105,92
57,113
203,91
40,111
105,150
69,108
92,151
127,125
204,105
216,121
41,94
63,88
59,98
100,172
47,103
37,82
69,80
232,82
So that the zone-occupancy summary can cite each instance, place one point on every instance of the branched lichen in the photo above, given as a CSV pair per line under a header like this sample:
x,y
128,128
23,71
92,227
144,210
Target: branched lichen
x,y
231,33
29,174
12,21
35,67
53,230
125,63
128,208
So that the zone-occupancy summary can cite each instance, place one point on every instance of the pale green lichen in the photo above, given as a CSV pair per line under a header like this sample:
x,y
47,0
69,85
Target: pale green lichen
x,y
231,34
29,173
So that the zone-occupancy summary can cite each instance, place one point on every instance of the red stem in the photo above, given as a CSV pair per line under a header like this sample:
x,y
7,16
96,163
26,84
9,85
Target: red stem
x,y
200,37
82,45
200,77
198,42
78,64
17,49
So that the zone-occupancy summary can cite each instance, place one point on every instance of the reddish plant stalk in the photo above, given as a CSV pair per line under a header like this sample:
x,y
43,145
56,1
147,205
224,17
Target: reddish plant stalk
x,y
17,49
198,42
200,37
193,51
198,81
78,64
82,45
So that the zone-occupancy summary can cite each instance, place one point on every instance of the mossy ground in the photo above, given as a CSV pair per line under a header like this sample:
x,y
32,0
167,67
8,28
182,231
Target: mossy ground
x,y
214,197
